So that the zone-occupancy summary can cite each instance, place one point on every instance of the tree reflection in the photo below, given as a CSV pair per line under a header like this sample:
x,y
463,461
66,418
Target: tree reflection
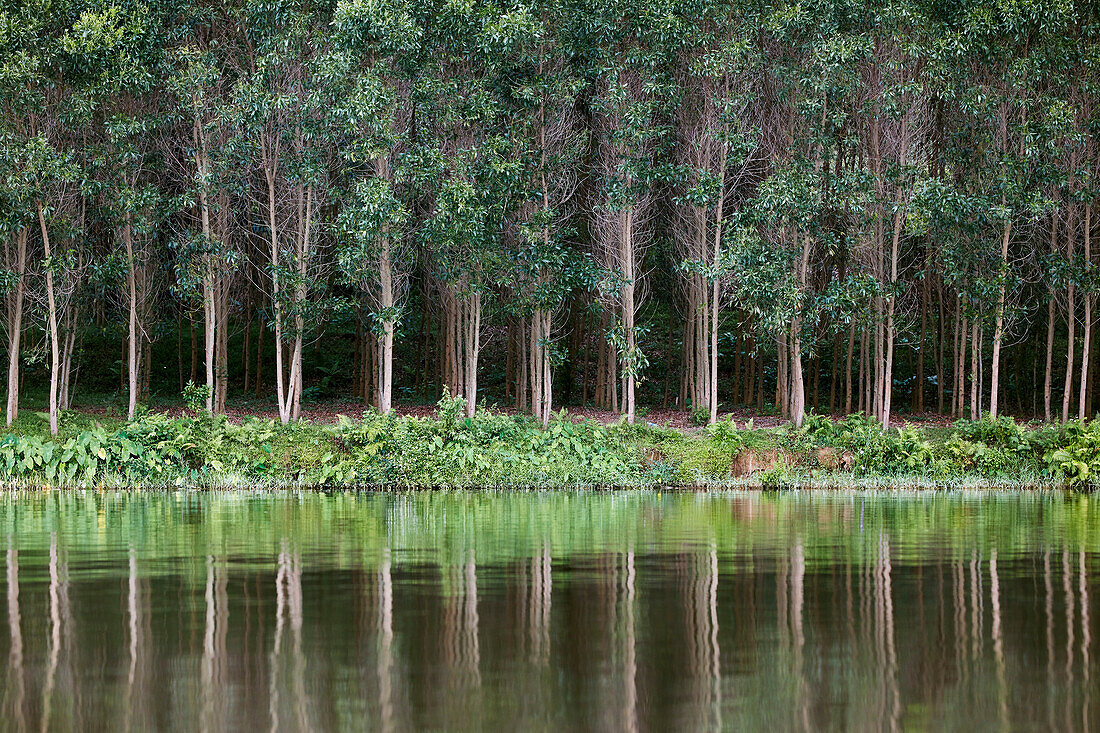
x,y
15,689
766,612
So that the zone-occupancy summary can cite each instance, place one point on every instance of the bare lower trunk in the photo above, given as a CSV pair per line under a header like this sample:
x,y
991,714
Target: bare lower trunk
x,y
630,360
975,353
472,347
1087,326
18,265
539,367
202,168
1050,360
51,324
221,345
132,335
385,343
210,328
304,247
1048,379
1071,318
998,328
68,347
888,366
797,395
281,387
848,368
715,293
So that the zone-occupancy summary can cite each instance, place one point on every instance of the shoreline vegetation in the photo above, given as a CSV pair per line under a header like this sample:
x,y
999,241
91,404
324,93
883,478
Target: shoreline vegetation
x,y
448,450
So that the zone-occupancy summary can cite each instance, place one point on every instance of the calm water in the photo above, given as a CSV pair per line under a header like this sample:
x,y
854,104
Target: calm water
x,y
549,611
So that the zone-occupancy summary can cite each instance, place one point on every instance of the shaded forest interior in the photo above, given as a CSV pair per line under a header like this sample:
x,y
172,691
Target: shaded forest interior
x,y
696,204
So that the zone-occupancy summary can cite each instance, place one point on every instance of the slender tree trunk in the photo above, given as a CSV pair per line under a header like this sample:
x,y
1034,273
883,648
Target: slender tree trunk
x,y
387,296
1087,326
210,328
281,387
716,289
918,398
202,168
246,345
998,329
630,358
1071,313
68,347
132,332
51,301
888,369
975,365
221,350
17,265
261,329
194,349
848,368
797,409
941,347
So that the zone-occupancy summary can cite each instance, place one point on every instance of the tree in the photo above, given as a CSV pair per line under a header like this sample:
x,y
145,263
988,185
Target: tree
x,y
278,108
375,45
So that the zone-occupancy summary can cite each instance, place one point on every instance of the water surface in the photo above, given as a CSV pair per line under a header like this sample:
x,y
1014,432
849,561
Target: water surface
x,y
548,611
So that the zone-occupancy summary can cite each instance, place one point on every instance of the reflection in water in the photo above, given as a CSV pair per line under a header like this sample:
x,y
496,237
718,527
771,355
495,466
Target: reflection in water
x,y
135,716
60,622
1086,635
539,613
288,613
16,684
385,642
522,611
625,631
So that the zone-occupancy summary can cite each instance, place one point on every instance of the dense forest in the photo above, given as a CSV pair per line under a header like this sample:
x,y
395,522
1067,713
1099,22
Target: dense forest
x,y
836,205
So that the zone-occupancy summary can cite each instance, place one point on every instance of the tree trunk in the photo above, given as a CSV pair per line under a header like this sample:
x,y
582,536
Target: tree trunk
x,y
202,163
281,387
630,357
1087,326
1071,314
848,368
998,328
888,368
387,297
132,332
975,384
716,289
797,408
51,322
15,319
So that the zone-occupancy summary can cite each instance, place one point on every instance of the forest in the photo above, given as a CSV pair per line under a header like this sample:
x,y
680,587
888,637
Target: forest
x,y
827,206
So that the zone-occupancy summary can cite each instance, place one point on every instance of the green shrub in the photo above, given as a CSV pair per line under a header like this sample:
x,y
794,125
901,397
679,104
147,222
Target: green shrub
x,y
195,396
1002,432
700,415
1074,455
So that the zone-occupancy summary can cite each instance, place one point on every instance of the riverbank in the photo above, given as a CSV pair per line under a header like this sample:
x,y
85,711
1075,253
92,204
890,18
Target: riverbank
x,y
443,449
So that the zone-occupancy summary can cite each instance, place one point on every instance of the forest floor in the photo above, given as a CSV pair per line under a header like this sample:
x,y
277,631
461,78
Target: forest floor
x,y
327,412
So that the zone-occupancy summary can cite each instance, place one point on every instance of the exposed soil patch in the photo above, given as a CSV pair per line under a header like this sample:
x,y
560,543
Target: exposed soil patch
x,y
754,460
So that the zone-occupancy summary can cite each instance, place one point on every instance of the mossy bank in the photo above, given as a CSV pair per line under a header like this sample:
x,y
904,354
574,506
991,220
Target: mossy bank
x,y
491,450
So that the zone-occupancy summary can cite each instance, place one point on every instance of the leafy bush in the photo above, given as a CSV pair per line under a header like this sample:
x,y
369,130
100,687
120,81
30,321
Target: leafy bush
x,y
195,396
1075,455
1002,432
700,416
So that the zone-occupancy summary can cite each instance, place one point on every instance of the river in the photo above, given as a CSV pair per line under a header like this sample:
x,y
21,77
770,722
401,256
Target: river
x,y
549,610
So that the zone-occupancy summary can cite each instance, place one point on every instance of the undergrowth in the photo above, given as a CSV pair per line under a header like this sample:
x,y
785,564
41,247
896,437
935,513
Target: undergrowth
x,y
487,450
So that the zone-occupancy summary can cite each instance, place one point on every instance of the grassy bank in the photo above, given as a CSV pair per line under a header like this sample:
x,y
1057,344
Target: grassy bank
x,y
447,450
